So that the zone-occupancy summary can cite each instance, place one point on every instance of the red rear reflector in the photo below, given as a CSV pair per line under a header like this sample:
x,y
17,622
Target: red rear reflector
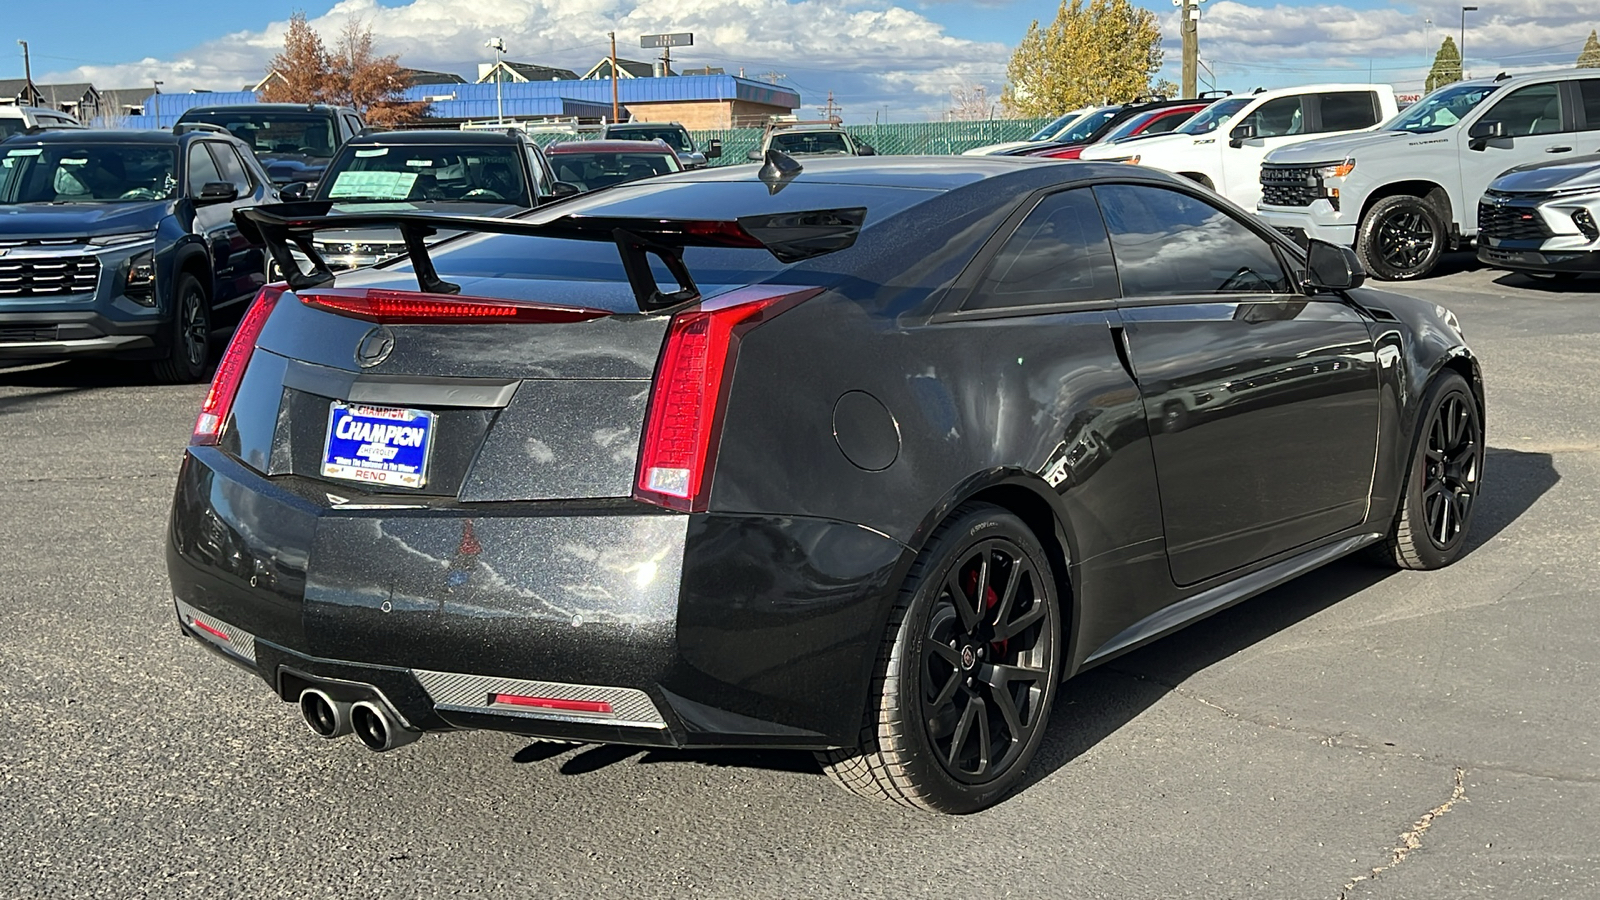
x,y
208,629
416,308
230,372
684,424
588,706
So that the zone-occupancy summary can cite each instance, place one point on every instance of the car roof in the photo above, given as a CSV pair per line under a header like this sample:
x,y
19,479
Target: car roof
x,y
436,136
1523,78
933,173
609,147
111,136
264,107
623,126
792,129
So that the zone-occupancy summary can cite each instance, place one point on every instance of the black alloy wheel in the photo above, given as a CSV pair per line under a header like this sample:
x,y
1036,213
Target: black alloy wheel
x,y
1430,529
967,672
1401,238
189,348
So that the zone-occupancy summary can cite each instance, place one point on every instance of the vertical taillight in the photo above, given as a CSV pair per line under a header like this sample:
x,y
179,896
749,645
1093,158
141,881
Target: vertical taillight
x,y
225,384
684,423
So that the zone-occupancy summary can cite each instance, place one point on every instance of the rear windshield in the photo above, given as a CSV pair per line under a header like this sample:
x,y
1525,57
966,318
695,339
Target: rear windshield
x,y
590,171
283,133
811,142
426,172
91,172
675,137
551,259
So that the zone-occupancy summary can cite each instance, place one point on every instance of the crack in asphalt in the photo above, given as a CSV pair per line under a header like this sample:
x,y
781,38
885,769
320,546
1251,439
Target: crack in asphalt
x,y
1412,839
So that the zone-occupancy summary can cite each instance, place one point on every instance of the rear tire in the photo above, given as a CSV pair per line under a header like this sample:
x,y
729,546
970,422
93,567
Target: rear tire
x,y
1442,482
1401,238
966,674
189,335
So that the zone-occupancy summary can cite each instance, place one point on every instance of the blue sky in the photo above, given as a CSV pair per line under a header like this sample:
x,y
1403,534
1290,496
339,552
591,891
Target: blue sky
x,y
903,55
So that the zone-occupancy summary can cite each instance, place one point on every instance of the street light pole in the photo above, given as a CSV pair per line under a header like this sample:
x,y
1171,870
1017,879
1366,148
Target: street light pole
x,y
499,80
155,103
27,69
1462,48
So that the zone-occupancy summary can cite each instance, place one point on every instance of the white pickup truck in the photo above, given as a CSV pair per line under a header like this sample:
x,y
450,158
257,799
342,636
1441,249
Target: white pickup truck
x,y
1406,192
1222,146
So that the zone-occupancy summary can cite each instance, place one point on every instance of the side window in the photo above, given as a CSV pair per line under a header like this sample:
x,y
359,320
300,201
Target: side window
x,y
1164,124
352,127
1535,109
232,169
1275,118
1058,254
1167,242
1349,110
202,169
1589,91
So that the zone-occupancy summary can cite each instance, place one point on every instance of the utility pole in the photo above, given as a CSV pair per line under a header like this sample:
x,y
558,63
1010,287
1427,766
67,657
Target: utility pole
x,y
27,70
1189,27
1462,46
830,110
615,114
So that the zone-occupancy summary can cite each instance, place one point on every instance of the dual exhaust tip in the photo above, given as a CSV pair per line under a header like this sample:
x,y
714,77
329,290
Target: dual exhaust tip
x,y
372,724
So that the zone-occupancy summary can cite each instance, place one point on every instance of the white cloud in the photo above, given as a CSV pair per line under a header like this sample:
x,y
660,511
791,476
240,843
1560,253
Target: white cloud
x,y
867,51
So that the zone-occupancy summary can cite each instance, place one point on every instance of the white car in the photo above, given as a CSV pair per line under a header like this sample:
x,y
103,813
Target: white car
x,y
17,119
1079,123
1406,192
1544,219
1222,147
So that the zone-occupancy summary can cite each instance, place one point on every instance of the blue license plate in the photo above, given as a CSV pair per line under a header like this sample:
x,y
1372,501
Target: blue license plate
x,y
378,444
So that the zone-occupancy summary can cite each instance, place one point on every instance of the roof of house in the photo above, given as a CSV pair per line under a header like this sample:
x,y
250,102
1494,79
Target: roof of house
x,y
13,87
630,90
424,76
531,72
57,94
630,68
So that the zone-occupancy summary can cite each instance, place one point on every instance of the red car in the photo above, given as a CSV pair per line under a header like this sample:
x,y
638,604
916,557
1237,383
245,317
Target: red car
x,y
592,165
1155,121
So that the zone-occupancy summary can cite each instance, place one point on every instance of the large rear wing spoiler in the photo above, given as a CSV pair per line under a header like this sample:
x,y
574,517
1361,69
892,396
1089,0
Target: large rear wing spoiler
x,y
790,237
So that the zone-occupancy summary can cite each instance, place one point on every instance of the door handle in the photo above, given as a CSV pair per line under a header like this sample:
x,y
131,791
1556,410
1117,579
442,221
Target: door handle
x,y
1119,340
1558,149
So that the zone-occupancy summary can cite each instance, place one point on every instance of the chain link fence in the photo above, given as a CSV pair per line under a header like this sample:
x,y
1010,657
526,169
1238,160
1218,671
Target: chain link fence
x,y
898,139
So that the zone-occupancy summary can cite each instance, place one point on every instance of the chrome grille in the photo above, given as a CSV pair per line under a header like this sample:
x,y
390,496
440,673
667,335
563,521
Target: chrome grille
x,y
1505,221
48,276
1289,185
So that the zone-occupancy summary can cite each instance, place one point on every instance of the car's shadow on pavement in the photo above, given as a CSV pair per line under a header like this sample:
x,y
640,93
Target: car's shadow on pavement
x,y
77,374
1524,282
1096,704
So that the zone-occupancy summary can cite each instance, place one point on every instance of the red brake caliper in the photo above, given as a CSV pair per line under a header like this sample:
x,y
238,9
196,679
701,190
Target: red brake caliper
x,y
990,601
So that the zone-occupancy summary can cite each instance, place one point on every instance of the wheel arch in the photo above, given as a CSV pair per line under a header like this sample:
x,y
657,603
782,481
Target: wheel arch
x,y
190,259
1429,191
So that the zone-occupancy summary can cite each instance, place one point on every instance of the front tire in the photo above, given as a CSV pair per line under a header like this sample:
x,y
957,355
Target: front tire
x,y
1442,483
1401,238
189,342
966,674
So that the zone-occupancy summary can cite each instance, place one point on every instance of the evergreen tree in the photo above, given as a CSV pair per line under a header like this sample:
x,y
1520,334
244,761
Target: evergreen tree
x,y
1102,51
1446,65
1590,57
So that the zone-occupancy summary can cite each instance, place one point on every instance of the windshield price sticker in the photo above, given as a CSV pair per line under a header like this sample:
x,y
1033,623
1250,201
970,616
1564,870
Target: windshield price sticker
x,y
372,185
378,444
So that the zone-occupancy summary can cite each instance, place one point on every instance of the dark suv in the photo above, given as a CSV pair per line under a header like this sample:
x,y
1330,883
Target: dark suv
x,y
122,244
294,141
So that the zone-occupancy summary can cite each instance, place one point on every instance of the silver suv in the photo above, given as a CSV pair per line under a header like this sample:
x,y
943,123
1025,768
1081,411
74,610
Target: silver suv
x,y
1408,191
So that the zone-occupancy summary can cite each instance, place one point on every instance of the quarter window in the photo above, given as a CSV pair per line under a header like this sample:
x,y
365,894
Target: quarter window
x,y
1535,109
202,170
1349,111
1059,254
1167,243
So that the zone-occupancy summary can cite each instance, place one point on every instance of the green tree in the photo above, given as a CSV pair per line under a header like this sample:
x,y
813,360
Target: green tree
x,y
1446,65
1102,51
1590,57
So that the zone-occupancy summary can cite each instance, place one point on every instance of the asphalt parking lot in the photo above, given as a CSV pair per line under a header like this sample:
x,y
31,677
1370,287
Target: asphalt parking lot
x,y
1356,733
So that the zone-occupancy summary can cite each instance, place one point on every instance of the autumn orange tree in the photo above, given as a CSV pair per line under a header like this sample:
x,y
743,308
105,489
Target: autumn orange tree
x,y
351,74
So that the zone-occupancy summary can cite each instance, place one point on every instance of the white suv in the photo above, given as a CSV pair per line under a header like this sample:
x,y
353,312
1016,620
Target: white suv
x,y
1223,145
17,119
1408,191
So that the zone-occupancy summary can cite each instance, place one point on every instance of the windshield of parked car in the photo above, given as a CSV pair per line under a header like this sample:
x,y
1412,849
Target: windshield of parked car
x,y
1440,109
425,172
673,136
1049,131
300,134
599,169
88,173
1085,127
1212,117
811,142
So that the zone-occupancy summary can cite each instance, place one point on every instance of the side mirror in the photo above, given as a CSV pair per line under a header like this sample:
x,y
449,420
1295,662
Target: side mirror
x,y
755,155
216,192
1241,133
865,149
564,189
1485,130
1332,267
713,149
294,190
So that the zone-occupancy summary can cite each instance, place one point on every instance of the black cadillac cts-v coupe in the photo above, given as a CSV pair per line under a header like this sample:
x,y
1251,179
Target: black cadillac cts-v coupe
x,y
862,457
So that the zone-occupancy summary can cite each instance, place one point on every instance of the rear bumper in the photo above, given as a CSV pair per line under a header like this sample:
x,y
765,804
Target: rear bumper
x,y
704,630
